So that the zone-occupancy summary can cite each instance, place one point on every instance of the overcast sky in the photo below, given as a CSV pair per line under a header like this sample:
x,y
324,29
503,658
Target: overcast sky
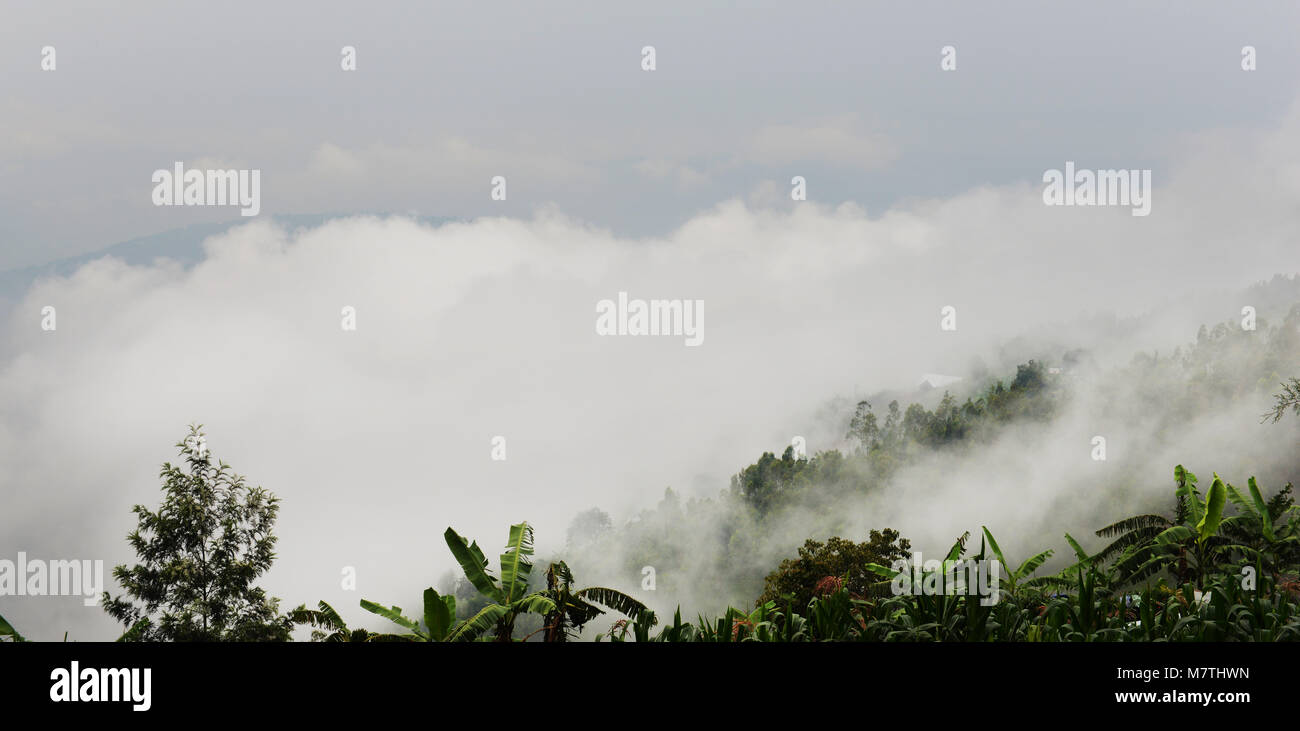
x,y
552,96
924,190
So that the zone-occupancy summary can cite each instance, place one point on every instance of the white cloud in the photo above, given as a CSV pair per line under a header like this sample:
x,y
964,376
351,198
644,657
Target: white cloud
x,y
378,439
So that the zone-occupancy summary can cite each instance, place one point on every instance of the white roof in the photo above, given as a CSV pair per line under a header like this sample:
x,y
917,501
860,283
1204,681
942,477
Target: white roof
x,y
937,380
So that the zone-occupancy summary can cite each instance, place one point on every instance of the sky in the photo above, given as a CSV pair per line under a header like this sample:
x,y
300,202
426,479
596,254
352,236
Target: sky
x,y
924,190
553,97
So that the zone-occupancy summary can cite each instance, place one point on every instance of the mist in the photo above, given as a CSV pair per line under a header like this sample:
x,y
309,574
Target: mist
x,y
377,439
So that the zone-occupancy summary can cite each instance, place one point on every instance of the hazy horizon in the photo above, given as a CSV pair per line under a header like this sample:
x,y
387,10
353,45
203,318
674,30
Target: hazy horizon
x,y
924,190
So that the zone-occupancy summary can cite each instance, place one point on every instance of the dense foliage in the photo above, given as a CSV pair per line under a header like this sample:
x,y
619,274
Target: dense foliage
x,y
1203,575
200,555
834,564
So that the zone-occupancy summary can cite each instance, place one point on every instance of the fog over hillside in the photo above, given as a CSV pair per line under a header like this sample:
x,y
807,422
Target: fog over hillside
x,y
392,257
378,439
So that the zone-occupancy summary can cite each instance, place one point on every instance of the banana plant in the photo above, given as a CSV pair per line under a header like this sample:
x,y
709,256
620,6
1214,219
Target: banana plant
x,y
1029,566
939,612
1268,539
1068,577
1132,543
1197,540
1185,546
327,625
508,596
439,619
1133,547
576,607
1086,615
954,554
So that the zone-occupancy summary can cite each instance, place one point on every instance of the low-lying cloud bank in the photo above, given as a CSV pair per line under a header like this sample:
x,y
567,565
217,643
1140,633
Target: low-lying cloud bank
x,y
379,438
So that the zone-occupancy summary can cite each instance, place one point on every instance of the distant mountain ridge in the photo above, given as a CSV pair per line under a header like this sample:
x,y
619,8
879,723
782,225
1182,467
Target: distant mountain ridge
x,y
184,245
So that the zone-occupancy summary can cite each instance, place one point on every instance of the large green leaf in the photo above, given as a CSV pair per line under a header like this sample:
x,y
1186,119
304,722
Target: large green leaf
x,y
474,564
515,566
1188,494
616,600
393,614
1174,534
325,617
958,548
1135,523
561,573
1084,558
439,612
534,603
882,571
1031,564
577,611
997,550
1132,532
1261,508
1237,498
1214,501
475,626
331,616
